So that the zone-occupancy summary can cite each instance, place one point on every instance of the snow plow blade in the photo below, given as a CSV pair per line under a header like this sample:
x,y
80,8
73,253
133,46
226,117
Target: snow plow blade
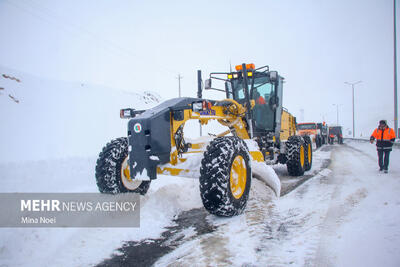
x,y
266,174
189,168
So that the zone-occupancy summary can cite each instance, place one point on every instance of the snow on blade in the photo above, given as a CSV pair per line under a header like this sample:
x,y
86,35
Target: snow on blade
x,y
265,173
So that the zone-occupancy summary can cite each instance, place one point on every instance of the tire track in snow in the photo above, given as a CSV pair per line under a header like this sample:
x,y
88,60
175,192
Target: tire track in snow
x,y
188,225
341,203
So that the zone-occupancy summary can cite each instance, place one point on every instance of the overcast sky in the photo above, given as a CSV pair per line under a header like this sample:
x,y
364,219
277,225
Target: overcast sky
x,y
143,45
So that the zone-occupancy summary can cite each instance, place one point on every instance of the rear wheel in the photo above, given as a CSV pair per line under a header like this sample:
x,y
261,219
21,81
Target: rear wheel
x,y
320,142
112,170
295,155
225,176
308,153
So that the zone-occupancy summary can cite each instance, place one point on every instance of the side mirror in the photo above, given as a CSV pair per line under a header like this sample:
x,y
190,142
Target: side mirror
x,y
228,89
273,76
207,84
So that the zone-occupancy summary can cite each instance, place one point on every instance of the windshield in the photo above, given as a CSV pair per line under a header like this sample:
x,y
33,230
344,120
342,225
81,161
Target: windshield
x,y
262,88
262,92
306,126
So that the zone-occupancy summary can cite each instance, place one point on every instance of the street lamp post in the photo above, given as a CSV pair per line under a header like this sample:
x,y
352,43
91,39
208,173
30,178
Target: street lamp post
x,y
352,87
396,126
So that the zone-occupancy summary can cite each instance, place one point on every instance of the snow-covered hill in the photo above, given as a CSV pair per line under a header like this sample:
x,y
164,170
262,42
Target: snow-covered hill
x,y
44,119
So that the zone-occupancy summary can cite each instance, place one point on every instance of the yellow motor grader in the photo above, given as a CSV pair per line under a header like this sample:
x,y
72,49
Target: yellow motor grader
x,y
258,129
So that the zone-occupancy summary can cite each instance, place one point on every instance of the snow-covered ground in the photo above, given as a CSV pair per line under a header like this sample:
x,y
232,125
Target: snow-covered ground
x,y
167,197
347,215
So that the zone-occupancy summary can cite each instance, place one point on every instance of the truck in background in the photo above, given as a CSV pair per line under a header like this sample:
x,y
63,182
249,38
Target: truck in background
x,y
335,135
311,129
323,128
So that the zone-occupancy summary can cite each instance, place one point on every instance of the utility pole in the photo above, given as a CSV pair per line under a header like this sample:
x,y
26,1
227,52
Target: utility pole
x,y
179,82
396,123
352,87
337,113
323,116
302,115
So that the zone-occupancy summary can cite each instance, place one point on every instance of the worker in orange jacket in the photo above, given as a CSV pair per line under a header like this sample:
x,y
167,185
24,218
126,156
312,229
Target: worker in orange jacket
x,y
259,99
384,137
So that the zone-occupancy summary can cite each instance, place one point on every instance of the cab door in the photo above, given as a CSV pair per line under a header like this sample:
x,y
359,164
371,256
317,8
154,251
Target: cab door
x,y
263,94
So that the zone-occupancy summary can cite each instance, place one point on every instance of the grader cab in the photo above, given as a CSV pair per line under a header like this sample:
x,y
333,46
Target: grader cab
x,y
258,129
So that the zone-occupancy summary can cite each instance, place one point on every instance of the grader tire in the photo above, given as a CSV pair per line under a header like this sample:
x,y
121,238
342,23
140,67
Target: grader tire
x,y
110,176
318,141
225,176
296,155
308,153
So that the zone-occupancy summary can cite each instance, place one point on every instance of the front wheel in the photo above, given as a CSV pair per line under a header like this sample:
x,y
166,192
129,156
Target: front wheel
x,y
225,176
112,170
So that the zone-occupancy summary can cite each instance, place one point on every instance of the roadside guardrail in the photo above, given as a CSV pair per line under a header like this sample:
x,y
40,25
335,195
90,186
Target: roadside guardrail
x,y
395,145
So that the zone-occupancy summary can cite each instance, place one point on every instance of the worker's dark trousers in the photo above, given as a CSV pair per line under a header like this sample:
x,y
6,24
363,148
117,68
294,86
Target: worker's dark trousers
x,y
383,158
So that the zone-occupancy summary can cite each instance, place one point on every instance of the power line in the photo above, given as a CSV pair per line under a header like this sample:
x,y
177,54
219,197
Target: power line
x,y
337,113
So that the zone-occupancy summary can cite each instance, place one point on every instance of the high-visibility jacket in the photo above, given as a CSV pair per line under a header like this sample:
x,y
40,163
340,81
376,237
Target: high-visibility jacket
x,y
384,138
260,100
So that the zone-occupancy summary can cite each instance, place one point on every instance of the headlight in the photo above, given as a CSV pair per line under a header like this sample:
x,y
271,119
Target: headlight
x,y
197,106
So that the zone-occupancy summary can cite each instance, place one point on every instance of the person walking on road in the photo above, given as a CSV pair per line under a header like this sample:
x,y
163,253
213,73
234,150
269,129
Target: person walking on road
x,y
385,137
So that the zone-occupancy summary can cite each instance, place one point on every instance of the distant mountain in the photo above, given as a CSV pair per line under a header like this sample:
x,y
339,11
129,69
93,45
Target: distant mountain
x,y
43,119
